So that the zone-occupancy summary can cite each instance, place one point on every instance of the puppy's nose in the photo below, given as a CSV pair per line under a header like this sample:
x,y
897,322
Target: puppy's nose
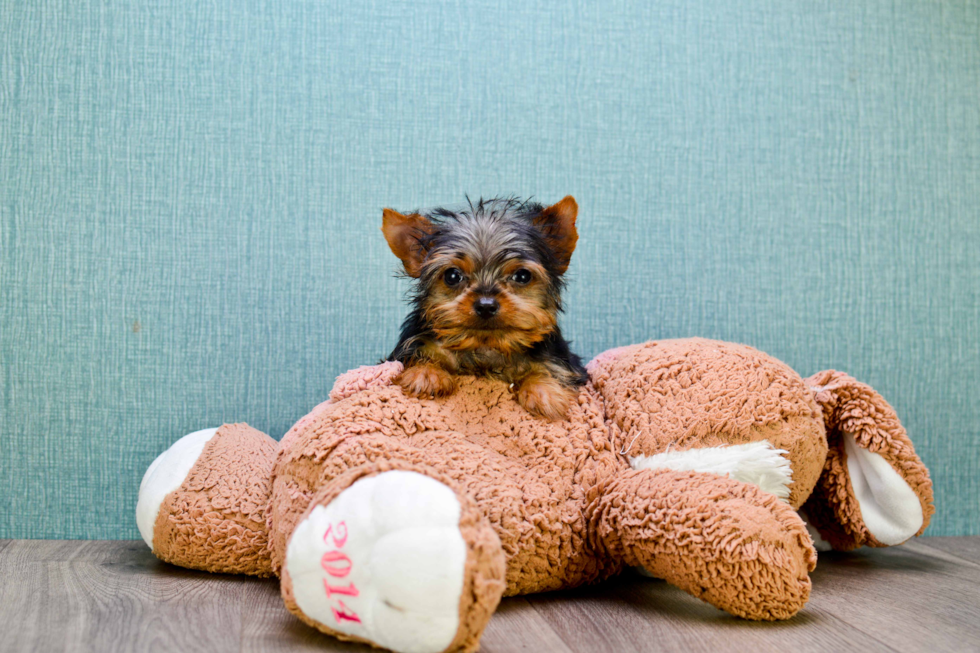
x,y
486,307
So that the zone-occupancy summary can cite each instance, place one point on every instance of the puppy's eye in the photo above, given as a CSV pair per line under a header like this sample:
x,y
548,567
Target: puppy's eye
x,y
522,276
452,277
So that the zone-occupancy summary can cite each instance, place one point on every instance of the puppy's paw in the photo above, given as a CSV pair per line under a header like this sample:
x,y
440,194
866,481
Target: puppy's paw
x,y
426,380
543,396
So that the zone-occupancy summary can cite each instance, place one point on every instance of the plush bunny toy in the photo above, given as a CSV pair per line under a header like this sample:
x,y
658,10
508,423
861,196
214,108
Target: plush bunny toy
x,y
401,522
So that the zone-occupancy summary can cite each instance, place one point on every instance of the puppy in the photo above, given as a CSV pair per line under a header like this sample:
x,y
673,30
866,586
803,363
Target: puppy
x,y
486,299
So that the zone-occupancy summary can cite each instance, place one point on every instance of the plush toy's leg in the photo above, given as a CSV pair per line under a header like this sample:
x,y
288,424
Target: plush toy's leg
x,y
390,554
874,489
724,541
202,503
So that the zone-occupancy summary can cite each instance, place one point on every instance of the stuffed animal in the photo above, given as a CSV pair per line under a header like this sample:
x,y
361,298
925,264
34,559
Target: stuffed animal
x,y
401,522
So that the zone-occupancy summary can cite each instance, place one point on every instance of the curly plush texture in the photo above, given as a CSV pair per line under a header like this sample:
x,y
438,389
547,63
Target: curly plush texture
x,y
696,393
531,477
855,408
548,505
216,519
723,541
534,479
483,573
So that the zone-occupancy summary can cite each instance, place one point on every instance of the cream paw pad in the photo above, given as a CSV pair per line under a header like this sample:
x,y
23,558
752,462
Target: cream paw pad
x,y
164,475
384,561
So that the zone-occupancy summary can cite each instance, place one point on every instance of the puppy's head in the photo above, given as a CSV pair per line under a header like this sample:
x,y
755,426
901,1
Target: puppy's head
x,y
490,275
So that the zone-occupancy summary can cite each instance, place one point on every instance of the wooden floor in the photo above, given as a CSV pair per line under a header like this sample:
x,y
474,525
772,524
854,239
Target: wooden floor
x,y
115,596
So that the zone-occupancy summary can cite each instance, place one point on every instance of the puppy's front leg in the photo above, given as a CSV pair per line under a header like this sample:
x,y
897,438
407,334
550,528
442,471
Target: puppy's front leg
x,y
540,393
426,379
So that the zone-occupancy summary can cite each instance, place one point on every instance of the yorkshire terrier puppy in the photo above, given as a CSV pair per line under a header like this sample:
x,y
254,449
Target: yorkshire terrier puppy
x,y
486,299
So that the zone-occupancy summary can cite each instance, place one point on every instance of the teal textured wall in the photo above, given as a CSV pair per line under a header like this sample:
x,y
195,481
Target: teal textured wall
x,y
191,196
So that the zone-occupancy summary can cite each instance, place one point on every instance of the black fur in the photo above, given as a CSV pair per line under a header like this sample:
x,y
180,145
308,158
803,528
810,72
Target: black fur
x,y
556,348
513,220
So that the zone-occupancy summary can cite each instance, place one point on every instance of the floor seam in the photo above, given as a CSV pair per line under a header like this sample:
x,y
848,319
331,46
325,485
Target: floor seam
x,y
959,559
860,630
544,618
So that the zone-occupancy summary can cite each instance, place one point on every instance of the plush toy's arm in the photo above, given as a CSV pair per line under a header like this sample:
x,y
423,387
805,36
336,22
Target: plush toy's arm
x,y
726,542
874,490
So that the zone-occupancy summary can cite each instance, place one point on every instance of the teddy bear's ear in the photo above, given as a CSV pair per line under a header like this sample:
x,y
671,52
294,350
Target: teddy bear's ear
x,y
406,236
557,222
874,490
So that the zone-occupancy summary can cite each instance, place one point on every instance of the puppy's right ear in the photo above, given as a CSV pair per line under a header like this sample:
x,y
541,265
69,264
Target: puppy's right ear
x,y
558,224
404,234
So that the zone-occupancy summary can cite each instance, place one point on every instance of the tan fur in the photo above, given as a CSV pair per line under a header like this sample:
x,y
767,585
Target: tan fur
x,y
426,380
549,505
524,318
401,232
541,394
457,339
565,237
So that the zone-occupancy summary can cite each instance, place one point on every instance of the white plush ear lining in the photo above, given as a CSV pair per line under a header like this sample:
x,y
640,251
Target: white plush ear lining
x,y
889,507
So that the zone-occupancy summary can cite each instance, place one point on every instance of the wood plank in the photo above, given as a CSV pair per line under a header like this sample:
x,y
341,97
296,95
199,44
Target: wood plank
x,y
902,597
934,552
634,613
964,548
96,551
116,596
267,626
518,626
112,596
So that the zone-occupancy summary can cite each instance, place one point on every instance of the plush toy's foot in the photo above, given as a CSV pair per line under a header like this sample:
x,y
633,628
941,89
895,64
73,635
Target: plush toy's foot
x,y
724,541
396,559
164,475
202,503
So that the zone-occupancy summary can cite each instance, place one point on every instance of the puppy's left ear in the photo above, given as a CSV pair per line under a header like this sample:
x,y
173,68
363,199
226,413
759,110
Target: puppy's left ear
x,y
404,234
558,224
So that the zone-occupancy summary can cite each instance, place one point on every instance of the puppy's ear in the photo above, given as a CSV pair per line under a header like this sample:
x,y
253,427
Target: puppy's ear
x,y
404,234
557,222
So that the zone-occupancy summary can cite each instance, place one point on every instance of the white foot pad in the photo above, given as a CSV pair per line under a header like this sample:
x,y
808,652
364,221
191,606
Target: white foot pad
x,y
383,561
166,474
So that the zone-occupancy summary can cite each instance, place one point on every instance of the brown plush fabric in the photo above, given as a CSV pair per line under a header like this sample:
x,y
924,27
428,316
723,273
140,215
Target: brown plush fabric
x,y
483,576
726,542
691,393
550,505
215,520
529,476
854,407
